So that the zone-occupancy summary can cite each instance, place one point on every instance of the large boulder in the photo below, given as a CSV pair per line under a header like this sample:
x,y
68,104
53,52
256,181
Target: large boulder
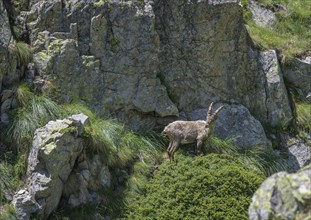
x,y
283,196
52,157
236,123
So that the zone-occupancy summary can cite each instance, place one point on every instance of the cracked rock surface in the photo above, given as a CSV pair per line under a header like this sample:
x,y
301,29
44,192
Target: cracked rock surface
x,y
142,63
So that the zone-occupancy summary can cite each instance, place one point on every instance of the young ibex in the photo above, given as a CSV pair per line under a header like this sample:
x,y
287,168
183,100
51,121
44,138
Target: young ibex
x,y
186,132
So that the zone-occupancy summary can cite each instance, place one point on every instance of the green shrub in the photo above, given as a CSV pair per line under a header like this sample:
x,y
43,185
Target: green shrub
x,y
203,187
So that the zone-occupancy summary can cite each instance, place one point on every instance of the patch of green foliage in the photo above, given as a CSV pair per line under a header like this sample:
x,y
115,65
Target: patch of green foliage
x,y
303,111
203,187
23,52
292,33
12,171
7,212
35,112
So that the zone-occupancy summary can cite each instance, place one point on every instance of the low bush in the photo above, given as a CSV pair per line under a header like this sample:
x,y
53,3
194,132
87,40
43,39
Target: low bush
x,y
203,187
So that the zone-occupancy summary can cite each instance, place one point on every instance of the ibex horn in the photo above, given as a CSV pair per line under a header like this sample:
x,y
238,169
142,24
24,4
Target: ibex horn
x,y
218,110
209,112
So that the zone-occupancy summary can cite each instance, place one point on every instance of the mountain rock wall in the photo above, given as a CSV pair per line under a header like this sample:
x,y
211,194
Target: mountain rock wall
x,y
146,62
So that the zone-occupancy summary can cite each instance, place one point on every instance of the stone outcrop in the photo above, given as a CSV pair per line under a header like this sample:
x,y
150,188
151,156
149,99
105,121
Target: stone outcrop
x,y
298,75
279,112
299,150
150,61
56,149
283,196
262,16
236,123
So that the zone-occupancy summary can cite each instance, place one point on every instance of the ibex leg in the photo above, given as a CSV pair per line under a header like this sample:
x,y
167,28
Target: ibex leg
x,y
169,149
198,147
173,150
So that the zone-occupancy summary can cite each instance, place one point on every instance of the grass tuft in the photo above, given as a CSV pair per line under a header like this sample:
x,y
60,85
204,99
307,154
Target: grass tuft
x,y
23,52
303,111
262,159
36,112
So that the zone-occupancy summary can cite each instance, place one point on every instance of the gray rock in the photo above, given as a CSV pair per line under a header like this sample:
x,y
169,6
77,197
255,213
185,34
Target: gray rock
x,y
5,38
83,184
298,74
7,93
299,150
5,118
283,196
262,16
235,122
24,204
279,112
82,120
52,157
6,105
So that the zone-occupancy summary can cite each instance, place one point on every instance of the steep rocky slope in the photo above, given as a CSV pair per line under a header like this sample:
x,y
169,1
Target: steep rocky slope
x,y
145,62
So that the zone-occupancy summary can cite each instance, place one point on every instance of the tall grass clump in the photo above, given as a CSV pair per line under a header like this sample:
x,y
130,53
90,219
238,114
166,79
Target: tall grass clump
x,y
118,145
291,35
23,52
262,159
35,112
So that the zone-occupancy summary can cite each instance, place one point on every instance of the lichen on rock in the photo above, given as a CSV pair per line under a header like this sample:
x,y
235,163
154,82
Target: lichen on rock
x,y
52,157
283,196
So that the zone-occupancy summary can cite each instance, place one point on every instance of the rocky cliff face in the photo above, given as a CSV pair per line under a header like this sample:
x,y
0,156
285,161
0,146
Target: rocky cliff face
x,y
143,62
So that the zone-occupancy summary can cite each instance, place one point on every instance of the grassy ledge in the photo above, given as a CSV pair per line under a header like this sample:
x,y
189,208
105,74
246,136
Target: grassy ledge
x,y
291,35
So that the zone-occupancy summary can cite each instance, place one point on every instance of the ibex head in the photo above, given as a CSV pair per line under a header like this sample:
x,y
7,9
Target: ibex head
x,y
211,118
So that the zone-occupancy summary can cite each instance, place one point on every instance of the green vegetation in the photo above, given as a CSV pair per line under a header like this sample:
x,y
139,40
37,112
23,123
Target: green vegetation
x,y
292,33
23,52
7,212
12,171
261,159
204,187
121,149
35,112
303,111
